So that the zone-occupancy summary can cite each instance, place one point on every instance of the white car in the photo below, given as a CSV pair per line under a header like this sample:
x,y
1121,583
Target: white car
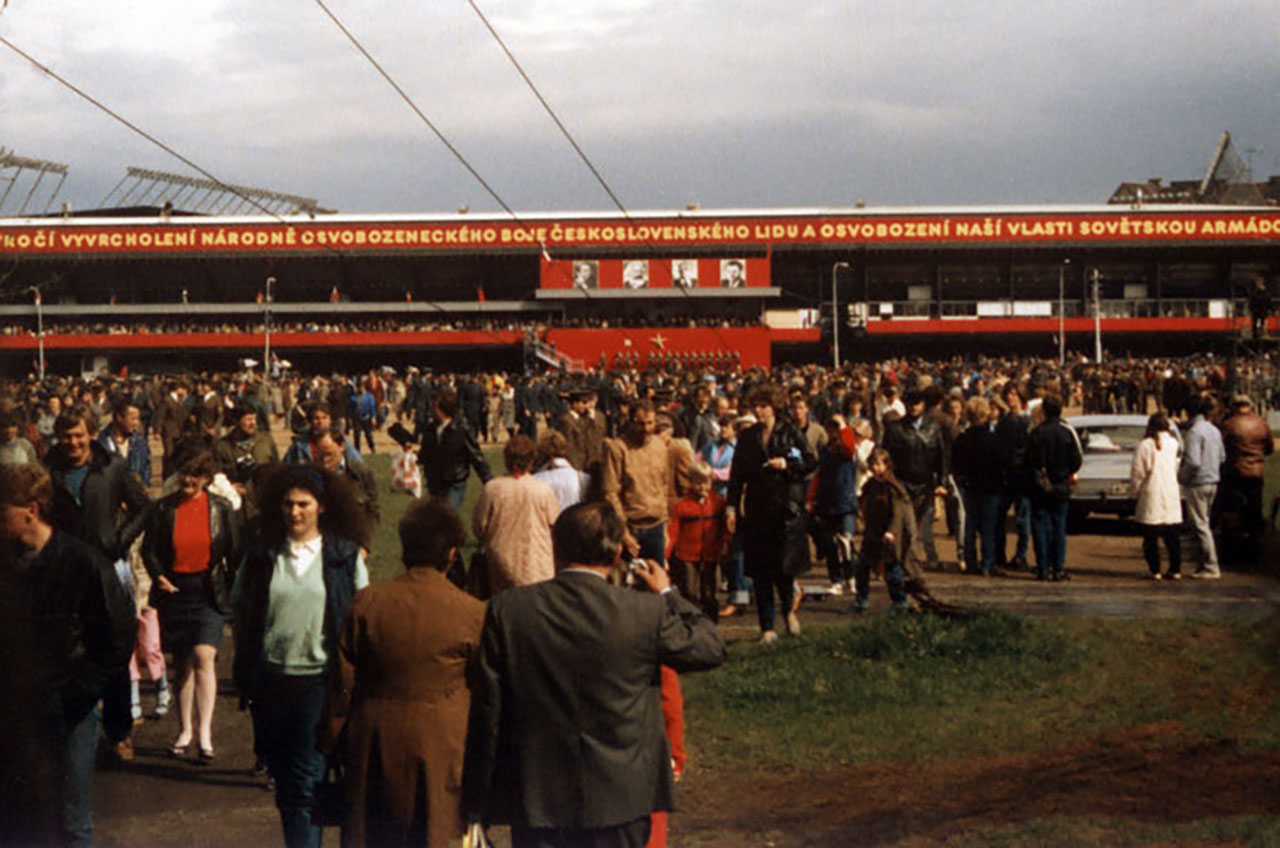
x,y
1108,443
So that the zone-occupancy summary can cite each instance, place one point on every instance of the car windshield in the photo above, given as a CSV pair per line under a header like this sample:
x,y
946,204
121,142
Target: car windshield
x,y
1111,439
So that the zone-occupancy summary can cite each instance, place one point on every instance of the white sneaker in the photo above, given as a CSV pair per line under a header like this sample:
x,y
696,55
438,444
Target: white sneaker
x,y
768,637
837,587
1207,575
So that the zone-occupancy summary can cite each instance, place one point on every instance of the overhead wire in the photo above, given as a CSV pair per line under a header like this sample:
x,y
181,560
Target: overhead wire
x,y
42,67
654,250
439,134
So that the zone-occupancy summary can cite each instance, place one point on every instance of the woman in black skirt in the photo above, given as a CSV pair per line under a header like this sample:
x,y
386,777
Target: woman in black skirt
x,y
190,549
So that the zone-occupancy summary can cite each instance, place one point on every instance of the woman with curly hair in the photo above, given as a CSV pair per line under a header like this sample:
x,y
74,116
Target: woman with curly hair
x,y
290,598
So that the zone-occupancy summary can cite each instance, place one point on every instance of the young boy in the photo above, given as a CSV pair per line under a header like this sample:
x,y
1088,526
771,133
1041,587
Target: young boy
x,y
697,540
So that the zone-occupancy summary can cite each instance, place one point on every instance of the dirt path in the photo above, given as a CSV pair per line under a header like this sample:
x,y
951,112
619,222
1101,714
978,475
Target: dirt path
x,y
1125,776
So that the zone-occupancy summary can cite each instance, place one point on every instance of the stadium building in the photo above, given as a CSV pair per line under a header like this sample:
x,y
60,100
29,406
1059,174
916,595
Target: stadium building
x,y
150,289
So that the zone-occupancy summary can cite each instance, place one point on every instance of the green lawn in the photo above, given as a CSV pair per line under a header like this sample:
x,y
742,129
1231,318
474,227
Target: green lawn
x,y
917,687
925,691
384,554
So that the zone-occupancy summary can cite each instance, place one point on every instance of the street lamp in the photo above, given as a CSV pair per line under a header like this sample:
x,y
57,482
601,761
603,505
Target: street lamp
x,y
1062,315
835,314
1097,316
266,346
39,327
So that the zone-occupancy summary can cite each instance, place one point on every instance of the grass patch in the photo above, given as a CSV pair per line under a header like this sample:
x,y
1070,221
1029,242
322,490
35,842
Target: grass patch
x,y
384,552
916,688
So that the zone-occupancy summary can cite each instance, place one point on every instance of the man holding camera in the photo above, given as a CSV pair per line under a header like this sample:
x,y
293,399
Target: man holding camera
x,y
565,741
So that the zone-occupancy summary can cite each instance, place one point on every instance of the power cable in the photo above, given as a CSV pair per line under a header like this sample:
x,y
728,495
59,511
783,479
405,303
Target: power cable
x,y
654,250
172,152
457,154
551,112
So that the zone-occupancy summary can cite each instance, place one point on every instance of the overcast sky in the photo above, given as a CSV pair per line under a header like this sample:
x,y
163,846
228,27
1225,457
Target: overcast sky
x,y
751,103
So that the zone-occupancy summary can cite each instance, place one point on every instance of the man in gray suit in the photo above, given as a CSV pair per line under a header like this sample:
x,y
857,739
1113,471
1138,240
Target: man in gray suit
x,y
566,741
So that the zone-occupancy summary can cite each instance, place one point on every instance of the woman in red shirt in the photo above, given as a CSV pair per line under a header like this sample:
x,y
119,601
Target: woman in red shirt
x,y
190,550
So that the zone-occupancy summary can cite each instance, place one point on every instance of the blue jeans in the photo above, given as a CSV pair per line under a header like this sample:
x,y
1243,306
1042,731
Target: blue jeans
x,y
453,494
765,611
980,520
364,426
1049,534
825,530
895,579
736,576
291,707
653,543
922,504
1013,497
77,731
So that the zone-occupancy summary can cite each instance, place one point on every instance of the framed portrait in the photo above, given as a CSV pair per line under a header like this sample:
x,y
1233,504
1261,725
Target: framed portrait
x,y
635,274
586,274
733,273
684,273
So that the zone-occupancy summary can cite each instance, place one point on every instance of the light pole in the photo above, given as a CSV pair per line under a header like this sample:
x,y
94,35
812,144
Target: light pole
x,y
1062,315
835,314
1097,316
266,346
39,328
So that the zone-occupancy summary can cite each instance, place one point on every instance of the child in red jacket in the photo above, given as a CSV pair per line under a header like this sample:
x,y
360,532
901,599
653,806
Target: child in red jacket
x,y
697,540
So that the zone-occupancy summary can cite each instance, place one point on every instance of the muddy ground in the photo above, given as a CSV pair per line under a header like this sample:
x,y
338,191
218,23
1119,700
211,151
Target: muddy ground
x,y
157,800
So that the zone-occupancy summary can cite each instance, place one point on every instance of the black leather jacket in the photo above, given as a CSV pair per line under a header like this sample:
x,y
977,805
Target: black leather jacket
x,y
99,518
447,458
1054,447
224,544
81,617
919,455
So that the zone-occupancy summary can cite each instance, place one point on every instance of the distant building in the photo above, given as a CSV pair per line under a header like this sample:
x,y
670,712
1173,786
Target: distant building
x,y
1227,181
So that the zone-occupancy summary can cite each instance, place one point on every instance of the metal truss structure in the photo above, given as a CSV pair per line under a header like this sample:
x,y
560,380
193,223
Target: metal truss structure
x,y
144,187
14,168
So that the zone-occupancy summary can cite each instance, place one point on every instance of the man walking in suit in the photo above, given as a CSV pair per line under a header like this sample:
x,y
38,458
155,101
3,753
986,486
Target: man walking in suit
x,y
566,741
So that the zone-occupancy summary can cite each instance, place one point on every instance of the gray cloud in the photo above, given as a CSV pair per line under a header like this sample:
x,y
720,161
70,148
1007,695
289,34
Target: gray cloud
x,y
744,104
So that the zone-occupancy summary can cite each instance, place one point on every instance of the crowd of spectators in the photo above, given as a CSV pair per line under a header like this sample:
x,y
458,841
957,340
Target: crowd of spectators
x,y
398,324
716,475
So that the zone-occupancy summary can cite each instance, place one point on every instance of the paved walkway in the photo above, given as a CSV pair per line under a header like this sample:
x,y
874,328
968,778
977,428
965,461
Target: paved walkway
x,y
1108,580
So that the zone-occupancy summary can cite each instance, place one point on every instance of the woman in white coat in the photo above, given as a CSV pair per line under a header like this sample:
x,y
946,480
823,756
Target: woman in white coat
x,y
1154,480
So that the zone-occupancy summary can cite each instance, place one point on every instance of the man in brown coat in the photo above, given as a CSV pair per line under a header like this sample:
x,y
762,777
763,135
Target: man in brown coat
x,y
402,692
1247,439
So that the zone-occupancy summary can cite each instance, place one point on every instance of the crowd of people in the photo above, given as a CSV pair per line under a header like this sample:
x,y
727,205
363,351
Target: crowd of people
x,y
256,324
533,671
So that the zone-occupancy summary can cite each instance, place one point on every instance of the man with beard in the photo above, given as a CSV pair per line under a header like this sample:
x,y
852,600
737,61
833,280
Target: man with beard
x,y
637,481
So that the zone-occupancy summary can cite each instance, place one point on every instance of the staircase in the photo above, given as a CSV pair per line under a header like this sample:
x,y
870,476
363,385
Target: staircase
x,y
548,355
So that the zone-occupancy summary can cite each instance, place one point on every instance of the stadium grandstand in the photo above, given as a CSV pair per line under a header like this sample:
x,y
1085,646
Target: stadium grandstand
x,y
173,272
578,290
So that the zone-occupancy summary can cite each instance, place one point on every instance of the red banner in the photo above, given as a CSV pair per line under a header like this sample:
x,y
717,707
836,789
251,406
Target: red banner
x,y
343,237
644,347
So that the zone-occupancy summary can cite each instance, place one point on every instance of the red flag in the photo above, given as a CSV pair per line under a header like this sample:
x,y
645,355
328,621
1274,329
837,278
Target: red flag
x,y
480,293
